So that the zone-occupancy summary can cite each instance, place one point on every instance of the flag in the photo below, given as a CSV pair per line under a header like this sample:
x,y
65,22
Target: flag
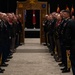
x,y
58,9
72,10
34,18
67,8
48,8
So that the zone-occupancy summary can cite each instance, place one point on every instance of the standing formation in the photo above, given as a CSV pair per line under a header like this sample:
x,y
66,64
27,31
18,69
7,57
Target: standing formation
x,y
10,33
59,29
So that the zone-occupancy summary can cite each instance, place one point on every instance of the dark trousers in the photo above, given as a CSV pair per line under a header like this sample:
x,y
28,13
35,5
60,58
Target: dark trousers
x,y
17,41
73,63
63,53
45,37
13,43
52,43
1,53
6,50
58,48
48,37
19,38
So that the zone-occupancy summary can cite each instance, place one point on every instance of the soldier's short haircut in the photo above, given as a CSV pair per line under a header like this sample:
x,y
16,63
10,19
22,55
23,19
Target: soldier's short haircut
x,y
62,11
67,11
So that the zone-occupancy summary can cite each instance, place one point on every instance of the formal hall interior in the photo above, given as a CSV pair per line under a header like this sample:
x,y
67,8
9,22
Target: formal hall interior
x,y
26,46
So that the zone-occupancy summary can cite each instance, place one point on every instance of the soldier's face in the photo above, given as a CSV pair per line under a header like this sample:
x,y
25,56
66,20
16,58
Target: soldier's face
x,y
73,17
50,17
61,14
65,15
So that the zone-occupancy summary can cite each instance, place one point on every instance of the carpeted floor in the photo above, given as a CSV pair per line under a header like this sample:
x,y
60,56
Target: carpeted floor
x,y
32,58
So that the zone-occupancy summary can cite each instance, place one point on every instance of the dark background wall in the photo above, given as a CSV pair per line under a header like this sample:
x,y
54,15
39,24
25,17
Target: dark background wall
x,y
10,5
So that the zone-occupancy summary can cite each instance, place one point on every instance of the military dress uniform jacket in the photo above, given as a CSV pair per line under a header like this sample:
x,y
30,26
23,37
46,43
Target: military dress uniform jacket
x,y
63,29
45,25
1,33
70,37
51,27
4,34
19,26
60,29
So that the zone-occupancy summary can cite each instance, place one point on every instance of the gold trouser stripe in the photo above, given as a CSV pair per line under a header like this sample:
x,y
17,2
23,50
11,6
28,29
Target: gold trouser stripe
x,y
68,60
0,59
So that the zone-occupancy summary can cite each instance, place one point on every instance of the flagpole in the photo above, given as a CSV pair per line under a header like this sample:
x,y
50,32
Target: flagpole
x,y
49,8
16,11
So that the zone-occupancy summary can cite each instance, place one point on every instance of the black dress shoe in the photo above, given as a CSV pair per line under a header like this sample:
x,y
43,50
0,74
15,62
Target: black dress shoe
x,y
4,65
45,44
9,57
20,44
58,60
7,60
2,70
61,65
62,68
65,70
11,54
52,53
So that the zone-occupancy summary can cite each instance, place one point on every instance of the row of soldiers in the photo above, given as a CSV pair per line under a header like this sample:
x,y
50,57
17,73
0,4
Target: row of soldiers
x,y
59,30
10,32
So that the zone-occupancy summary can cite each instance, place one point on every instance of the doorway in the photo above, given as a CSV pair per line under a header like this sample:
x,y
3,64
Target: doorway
x,y
32,30
36,5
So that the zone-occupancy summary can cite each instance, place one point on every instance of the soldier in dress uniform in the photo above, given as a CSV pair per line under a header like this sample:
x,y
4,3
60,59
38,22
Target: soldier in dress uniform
x,y
49,30
13,28
19,26
45,28
52,33
60,38
5,39
66,16
9,34
15,32
57,43
70,42
1,42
